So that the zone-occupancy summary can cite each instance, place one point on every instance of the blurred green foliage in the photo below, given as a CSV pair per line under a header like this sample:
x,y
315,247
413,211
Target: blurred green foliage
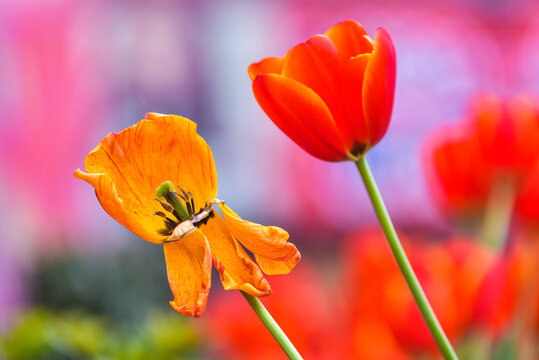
x,y
43,334
101,307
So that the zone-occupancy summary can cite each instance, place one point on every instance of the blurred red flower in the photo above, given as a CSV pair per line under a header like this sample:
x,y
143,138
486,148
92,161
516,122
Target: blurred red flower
x,y
450,273
333,94
509,291
497,145
300,307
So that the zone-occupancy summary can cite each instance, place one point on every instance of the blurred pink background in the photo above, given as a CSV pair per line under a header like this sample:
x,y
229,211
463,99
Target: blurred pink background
x,y
73,71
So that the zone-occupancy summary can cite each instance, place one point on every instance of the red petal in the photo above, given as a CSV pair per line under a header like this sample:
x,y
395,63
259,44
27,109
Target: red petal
x,y
316,65
379,86
270,65
350,39
353,127
300,114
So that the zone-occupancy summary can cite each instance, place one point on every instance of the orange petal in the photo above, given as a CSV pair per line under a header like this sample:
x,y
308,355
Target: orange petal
x,y
126,168
379,86
270,65
300,114
189,273
269,243
350,39
235,267
353,127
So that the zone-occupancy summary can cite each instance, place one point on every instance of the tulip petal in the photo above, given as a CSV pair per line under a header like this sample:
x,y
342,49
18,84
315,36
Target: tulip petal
x,y
459,177
189,273
350,39
315,63
126,168
353,127
235,267
508,131
270,65
300,114
269,243
379,86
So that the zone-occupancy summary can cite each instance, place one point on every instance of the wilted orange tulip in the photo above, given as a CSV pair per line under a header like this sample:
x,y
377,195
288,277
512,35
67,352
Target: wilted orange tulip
x,y
333,94
126,168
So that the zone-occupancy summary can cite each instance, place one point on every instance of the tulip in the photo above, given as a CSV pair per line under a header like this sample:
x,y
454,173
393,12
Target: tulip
x,y
333,94
126,169
495,151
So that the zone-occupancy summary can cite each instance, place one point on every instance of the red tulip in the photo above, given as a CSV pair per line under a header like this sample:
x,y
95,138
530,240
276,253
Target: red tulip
x,y
497,146
333,94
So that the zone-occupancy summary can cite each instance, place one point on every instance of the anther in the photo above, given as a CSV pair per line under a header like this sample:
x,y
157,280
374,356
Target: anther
x,y
160,213
165,206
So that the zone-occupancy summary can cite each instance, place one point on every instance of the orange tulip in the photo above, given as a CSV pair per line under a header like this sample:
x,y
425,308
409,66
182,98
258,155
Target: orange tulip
x,y
126,168
333,94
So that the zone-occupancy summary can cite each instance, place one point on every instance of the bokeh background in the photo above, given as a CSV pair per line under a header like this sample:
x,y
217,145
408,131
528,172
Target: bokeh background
x,y
75,284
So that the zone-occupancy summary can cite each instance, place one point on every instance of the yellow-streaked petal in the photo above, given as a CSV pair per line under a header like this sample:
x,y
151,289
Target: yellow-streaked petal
x,y
189,273
126,168
270,65
269,243
235,267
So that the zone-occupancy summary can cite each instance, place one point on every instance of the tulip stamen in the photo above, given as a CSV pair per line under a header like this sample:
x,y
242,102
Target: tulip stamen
x,y
187,220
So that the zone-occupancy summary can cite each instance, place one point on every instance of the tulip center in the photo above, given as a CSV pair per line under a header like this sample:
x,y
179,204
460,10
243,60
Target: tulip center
x,y
185,220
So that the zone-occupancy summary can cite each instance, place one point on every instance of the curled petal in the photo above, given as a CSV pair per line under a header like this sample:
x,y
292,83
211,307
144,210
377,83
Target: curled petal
x,y
379,86
350,39
269,243
301,114
189,273
270,65
235,267
126,168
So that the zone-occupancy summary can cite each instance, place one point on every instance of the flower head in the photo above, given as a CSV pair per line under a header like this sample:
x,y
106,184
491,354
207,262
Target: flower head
x,y
126,169
497,146
333,94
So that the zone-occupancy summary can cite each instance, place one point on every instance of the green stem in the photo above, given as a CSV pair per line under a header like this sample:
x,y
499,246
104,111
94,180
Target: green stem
x,y
498,213
272,326
404,264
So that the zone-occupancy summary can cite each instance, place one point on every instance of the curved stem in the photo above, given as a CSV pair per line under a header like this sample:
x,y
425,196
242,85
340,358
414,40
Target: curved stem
x,y
404,264
272,326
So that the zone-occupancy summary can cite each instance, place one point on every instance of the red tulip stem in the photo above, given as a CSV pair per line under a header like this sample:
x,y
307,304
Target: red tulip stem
x,y
272,326
404,264
498,213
